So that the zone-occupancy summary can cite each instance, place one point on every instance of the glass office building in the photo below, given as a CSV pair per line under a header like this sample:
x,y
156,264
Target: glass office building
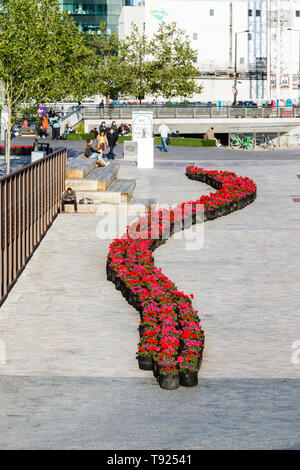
x,y
88,14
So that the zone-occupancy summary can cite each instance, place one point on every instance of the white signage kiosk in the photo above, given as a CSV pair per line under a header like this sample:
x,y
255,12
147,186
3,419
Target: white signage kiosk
x,y
142,133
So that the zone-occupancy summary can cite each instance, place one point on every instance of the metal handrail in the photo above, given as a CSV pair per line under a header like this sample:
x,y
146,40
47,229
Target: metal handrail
x,y
189,111
29,200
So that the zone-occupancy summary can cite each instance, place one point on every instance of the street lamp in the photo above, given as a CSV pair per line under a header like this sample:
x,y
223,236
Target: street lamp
x,y
235,63
298,31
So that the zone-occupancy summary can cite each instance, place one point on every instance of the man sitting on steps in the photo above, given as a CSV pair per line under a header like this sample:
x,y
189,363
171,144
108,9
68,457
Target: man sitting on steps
x,y
69,197
90,152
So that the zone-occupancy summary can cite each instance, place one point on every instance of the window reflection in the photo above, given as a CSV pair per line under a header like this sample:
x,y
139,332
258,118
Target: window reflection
x,y
89,14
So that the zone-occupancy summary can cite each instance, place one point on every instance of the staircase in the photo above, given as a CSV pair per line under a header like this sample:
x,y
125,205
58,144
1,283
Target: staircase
x,y
102,185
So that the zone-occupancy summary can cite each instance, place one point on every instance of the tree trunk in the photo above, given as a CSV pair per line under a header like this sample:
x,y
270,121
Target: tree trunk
x,y
8,134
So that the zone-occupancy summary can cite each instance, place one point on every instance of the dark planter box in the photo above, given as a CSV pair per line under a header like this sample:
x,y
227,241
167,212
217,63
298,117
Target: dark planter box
x,y
145,363
169,382
22,150
188,379
155,369
210,215
118,283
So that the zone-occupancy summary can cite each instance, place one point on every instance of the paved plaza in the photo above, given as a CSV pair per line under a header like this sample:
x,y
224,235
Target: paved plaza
x,y
71,378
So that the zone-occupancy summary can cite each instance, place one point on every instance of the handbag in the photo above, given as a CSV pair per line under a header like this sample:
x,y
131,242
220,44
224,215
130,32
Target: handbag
x,y
86,200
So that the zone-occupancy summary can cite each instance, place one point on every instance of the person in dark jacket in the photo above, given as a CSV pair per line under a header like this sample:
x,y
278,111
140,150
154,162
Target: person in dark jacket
x,y
95,132
69,197
112,138
103,127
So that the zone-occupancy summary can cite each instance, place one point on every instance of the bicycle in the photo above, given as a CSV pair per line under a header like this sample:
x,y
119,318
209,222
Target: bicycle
x,y
265,142
268,143
238,142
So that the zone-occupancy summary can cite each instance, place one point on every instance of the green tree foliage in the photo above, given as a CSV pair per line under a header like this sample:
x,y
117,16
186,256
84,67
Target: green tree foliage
x,y
134,52
43,56
137,66
110,70
173,72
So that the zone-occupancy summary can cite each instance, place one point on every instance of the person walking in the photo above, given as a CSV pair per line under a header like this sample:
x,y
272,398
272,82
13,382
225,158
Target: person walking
x,y
55,128
112,138
102,142
163,130
44,127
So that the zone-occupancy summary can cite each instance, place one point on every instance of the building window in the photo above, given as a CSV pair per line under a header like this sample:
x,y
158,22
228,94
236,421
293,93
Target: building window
x,y
257,12
211,12
249,12
195,36
249,36
298,13
242,60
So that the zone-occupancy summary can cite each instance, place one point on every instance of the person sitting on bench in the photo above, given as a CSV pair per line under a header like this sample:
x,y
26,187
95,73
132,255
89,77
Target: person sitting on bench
x,y
69,197
90,152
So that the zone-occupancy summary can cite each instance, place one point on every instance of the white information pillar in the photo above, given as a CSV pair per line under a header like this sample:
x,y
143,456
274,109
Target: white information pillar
x,y
142,133
145,153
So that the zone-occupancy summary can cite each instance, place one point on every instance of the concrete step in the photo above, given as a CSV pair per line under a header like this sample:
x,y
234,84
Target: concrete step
x,y
100,197
125,187
149,203
132,209
98,180
80,167
120,191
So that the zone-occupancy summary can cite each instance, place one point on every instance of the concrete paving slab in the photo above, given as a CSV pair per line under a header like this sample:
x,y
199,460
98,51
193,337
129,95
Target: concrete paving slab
x,y
64,326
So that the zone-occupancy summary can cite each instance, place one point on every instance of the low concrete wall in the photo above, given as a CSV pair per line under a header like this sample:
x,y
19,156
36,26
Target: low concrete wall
x,y
287,128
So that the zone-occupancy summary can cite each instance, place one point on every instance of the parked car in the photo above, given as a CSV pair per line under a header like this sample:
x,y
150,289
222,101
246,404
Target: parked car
x,y
244,104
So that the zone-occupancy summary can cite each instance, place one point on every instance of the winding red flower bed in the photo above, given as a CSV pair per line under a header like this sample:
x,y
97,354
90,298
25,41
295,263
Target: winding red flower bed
x,y
172,340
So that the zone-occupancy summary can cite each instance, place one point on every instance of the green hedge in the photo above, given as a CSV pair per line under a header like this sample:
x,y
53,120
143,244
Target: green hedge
x,y
72,136
124,137
187,142
176,141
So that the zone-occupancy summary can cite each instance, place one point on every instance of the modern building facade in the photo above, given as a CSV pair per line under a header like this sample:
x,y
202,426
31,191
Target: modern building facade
x,y
250,37
88,14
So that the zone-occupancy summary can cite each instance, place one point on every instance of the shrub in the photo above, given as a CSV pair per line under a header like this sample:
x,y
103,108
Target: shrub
x,y
187,142
79,128
72,136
